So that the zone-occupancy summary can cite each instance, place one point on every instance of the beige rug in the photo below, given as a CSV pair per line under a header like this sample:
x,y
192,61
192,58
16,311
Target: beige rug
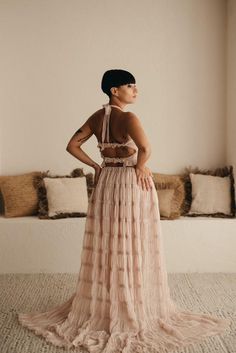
x,y
206,293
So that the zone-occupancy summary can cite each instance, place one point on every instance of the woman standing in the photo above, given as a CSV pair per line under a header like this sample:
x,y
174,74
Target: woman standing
x,y
122,301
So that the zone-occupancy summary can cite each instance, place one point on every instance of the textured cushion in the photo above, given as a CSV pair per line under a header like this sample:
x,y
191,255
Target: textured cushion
x,y
66,195
212,197
64,198
210,194
19,194
170,182
165,197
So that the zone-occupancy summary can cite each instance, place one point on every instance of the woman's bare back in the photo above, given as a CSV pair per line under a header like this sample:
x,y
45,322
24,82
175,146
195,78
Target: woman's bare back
x,y
117,133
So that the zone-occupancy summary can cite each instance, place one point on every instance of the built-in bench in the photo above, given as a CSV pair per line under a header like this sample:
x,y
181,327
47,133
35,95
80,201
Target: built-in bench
x,y
191,244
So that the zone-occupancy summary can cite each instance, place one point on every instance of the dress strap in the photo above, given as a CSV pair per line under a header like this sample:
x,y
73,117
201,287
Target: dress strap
x,y
106,120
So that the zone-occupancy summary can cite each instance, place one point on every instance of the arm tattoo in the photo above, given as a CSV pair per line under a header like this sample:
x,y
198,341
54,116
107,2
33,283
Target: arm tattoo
x,y
82,139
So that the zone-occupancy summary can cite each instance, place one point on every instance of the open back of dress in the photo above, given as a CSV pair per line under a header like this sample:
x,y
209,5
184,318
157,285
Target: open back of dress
x,y
128,161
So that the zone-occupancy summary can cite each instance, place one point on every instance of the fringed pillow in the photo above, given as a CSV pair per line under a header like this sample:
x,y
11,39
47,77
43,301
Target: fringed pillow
x,y
19,195
64,198
210,192
170,191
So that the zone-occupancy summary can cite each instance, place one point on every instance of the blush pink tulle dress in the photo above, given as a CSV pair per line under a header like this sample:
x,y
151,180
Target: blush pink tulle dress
x,y
122,300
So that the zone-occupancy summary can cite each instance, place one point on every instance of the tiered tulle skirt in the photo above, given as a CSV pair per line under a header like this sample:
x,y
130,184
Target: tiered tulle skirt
x,y
122,301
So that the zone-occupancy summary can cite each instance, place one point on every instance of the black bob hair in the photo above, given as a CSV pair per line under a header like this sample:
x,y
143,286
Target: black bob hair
x,y
115,78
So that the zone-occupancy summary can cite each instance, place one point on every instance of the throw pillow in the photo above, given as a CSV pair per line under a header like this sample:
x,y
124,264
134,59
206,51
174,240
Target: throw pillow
x,y
214,207
46,209
19,194
210,194
66,195
169,181
165,197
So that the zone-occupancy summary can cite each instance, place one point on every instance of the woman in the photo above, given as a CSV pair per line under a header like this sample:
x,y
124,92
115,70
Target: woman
x,y
122,301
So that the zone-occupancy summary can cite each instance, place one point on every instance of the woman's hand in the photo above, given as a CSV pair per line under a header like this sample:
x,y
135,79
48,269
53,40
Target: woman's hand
x,y
143,177
97,170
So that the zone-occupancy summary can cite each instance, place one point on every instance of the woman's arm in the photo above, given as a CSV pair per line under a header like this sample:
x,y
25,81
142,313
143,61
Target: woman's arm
x,y
79,137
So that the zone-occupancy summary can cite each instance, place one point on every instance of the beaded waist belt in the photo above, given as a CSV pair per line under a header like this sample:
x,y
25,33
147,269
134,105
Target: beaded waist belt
x,y
116,164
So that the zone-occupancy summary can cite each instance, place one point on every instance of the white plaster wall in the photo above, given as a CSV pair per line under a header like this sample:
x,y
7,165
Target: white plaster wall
x,y
53,56
231,85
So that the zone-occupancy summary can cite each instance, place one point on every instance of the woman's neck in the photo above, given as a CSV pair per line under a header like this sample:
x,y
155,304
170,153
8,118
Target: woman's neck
x,y
116,105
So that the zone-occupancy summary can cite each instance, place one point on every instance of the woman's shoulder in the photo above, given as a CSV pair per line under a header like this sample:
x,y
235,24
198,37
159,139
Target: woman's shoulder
x,y
94,116
132,119
99,114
